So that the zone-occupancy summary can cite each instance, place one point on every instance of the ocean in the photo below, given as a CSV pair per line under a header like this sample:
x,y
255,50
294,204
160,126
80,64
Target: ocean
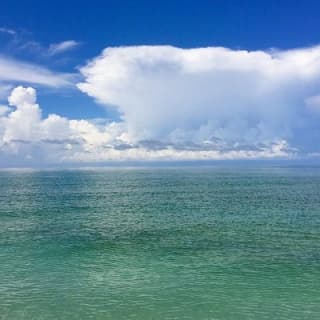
x,y
216,242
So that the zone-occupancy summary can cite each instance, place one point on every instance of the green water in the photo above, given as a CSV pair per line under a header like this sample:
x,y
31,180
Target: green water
x,y
160,243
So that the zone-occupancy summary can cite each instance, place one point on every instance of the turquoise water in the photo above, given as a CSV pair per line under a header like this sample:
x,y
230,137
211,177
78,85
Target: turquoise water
x,y
160,243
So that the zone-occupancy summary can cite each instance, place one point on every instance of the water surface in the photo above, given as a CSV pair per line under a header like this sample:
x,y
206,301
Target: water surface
x,y
216,242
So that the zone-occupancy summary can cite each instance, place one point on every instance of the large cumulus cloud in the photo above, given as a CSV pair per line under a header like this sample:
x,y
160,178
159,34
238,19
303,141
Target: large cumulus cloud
x,y
211,98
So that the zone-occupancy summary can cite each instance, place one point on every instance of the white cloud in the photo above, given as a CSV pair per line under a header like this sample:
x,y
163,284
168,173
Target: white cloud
x,y
210,99
60,47
28,138
22,96
16,71
175,104
25,135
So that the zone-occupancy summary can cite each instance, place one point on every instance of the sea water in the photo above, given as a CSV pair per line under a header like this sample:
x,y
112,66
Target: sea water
x,y
220,242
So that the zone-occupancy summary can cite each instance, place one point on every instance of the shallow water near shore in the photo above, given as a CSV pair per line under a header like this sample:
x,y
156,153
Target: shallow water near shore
x,y
220,242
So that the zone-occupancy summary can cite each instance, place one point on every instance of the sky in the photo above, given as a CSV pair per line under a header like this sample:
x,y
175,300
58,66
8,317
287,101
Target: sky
x,y
100,81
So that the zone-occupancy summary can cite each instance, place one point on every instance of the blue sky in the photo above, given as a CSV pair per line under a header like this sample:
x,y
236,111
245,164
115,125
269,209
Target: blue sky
x,y
243,24
62,37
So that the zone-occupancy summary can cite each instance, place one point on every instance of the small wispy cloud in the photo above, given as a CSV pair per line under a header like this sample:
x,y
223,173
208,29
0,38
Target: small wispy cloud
x,y
8,31
22,40
60,47
12,71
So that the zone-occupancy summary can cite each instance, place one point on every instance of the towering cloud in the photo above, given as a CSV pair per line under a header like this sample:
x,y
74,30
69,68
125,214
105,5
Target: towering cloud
x,y
211,98
26,136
